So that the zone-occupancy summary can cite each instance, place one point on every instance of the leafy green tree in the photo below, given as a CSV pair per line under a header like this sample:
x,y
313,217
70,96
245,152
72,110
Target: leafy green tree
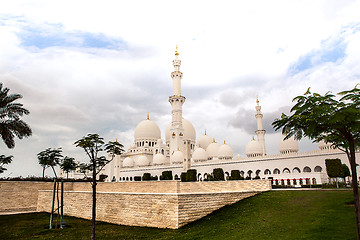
x,y
3,161
93,145
68,164
11,124
333,169
50,157
324,117
345,172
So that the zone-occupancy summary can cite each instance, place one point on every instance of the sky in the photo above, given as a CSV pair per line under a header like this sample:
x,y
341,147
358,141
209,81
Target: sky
x,y
100,66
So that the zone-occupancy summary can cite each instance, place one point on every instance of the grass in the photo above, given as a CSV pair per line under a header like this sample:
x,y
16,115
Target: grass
x,y
270,215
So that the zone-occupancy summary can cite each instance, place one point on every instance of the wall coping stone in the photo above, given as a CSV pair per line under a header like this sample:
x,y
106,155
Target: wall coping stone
x,y
151,193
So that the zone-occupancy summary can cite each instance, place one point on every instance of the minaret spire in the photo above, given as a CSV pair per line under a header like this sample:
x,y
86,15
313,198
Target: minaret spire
x,y
176,101
260,132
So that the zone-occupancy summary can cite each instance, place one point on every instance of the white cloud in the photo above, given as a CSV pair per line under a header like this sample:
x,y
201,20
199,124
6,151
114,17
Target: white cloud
x,y
231,52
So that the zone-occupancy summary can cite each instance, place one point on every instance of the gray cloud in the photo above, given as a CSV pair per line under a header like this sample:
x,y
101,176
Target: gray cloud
x,y
245,119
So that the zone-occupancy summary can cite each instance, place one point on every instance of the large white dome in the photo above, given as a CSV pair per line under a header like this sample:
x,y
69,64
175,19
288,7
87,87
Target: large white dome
x,y
147,129
142,161
199,155
288,146
213,150
159,159
225,152
128,162
189,131
177,157
253,148
204,141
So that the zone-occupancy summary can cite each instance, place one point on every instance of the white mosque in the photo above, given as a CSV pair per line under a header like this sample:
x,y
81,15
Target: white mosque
x,y
180,151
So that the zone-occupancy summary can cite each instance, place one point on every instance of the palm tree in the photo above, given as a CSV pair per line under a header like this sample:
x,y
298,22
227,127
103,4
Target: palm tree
x,y
11,124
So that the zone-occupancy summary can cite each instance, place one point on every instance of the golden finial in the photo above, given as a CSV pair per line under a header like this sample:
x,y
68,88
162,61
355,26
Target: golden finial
x,y
224,142
213,140
205,131
253,138
199,145
257,100
176,52
178,149
116,140
148,117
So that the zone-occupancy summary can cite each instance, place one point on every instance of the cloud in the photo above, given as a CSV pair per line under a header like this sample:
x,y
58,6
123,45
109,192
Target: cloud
x,y
54,35
82,74
245,119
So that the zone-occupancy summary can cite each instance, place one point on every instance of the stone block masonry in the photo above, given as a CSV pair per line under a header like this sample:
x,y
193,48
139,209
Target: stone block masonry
x,y
162,204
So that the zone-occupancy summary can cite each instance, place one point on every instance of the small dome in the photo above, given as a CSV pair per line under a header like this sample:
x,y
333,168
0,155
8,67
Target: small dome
x,y
323,146
177,157
147,129
142,161
213,150
288,146
128,162
225,152
199,155
159,159
159,142
189,131
253,148
204,141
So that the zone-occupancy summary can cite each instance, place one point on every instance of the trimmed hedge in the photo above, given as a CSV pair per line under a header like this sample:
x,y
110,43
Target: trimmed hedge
x,y
235,175
191,175
146,177
166,175
137,178
218,174
183,177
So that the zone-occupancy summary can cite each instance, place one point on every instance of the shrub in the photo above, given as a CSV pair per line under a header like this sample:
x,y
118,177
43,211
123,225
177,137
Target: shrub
x,y
191,175
137,178
154,178
166,175
313,186
218,174
235,175
183,177
146,177
102,177
257,177
248,178
241,178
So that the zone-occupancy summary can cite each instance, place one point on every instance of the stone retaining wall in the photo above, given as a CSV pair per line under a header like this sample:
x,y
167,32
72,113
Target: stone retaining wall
x,y
163,204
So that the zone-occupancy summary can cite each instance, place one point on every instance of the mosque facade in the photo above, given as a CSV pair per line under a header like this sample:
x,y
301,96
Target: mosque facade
x,y
180,151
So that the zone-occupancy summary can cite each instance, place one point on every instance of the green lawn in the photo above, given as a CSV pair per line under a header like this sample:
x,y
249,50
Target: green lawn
x,y
270,215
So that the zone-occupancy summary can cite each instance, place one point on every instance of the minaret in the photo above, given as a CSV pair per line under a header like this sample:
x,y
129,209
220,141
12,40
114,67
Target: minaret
x,y
176,101
260,132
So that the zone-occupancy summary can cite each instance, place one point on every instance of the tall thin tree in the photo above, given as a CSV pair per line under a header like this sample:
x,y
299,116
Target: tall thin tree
x,y
93,144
